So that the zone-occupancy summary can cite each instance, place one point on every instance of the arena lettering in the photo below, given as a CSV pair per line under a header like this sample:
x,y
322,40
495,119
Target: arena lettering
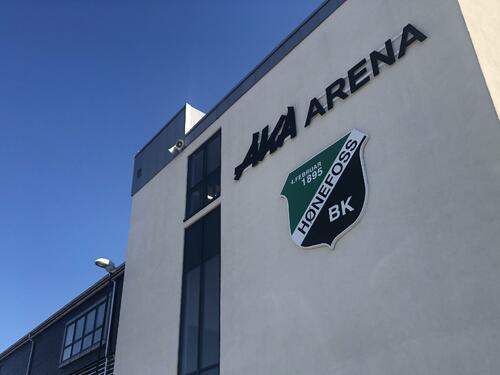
x,y
358,75
342,88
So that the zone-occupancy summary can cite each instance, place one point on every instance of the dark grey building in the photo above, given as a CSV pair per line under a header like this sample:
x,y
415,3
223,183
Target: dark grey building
x,y
79,339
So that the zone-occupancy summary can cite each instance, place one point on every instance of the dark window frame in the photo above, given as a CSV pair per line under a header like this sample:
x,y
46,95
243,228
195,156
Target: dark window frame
x,y
201,298
203,183
104,327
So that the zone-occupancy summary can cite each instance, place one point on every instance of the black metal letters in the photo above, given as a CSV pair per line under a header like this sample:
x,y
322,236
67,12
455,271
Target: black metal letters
x,y
357,77
285,127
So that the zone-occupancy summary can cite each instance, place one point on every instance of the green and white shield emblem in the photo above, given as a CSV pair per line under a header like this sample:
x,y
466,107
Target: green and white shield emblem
x,y
326,194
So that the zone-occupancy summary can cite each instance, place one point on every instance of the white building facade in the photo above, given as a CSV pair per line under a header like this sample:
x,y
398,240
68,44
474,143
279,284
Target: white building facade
x,y
408,284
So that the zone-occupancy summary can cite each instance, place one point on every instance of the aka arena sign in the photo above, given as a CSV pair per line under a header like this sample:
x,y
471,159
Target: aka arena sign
x,y
326,195
267,141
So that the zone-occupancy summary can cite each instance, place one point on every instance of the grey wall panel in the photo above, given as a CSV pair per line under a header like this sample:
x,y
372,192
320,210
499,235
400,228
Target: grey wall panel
x,y
16,362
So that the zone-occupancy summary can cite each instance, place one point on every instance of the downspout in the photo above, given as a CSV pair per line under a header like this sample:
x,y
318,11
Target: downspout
x,y
108,334
28,367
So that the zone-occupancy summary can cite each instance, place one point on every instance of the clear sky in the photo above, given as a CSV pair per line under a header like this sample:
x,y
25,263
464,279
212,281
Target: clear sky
x,y
84,84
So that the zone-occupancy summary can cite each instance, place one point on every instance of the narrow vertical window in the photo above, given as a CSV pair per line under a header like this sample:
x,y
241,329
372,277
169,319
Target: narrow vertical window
x,y
203,185
199,336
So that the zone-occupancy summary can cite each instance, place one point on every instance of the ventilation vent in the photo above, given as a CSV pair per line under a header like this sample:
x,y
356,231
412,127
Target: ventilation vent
x,y
98,367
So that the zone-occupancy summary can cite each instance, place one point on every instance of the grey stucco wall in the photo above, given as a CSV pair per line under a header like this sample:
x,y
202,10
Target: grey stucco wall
x,y
413,288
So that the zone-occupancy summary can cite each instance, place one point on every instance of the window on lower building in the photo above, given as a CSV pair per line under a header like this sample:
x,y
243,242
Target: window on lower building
x,y
84,332
203,185
199,338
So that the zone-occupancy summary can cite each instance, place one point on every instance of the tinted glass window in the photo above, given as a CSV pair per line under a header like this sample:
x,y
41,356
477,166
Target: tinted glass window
x,y
211,235
192,246
213,154
87,341
89,323
66,353
84,332
100,315
213,186
196,168
212,371
77,346
210,319
195,200
97,335
199,341
79,328
190,321
69,334
203,175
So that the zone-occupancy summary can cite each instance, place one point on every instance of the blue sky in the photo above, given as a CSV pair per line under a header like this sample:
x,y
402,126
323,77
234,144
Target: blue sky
x,y
84,84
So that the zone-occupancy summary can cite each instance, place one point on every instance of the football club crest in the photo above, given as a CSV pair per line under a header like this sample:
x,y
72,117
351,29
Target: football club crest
x,y
326,194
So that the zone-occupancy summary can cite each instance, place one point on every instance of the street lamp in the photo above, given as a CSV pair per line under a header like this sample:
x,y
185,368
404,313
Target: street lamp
x,y
105,263
110,268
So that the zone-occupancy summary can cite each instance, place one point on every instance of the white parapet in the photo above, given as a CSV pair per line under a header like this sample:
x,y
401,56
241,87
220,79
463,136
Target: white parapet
x,y
193,116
